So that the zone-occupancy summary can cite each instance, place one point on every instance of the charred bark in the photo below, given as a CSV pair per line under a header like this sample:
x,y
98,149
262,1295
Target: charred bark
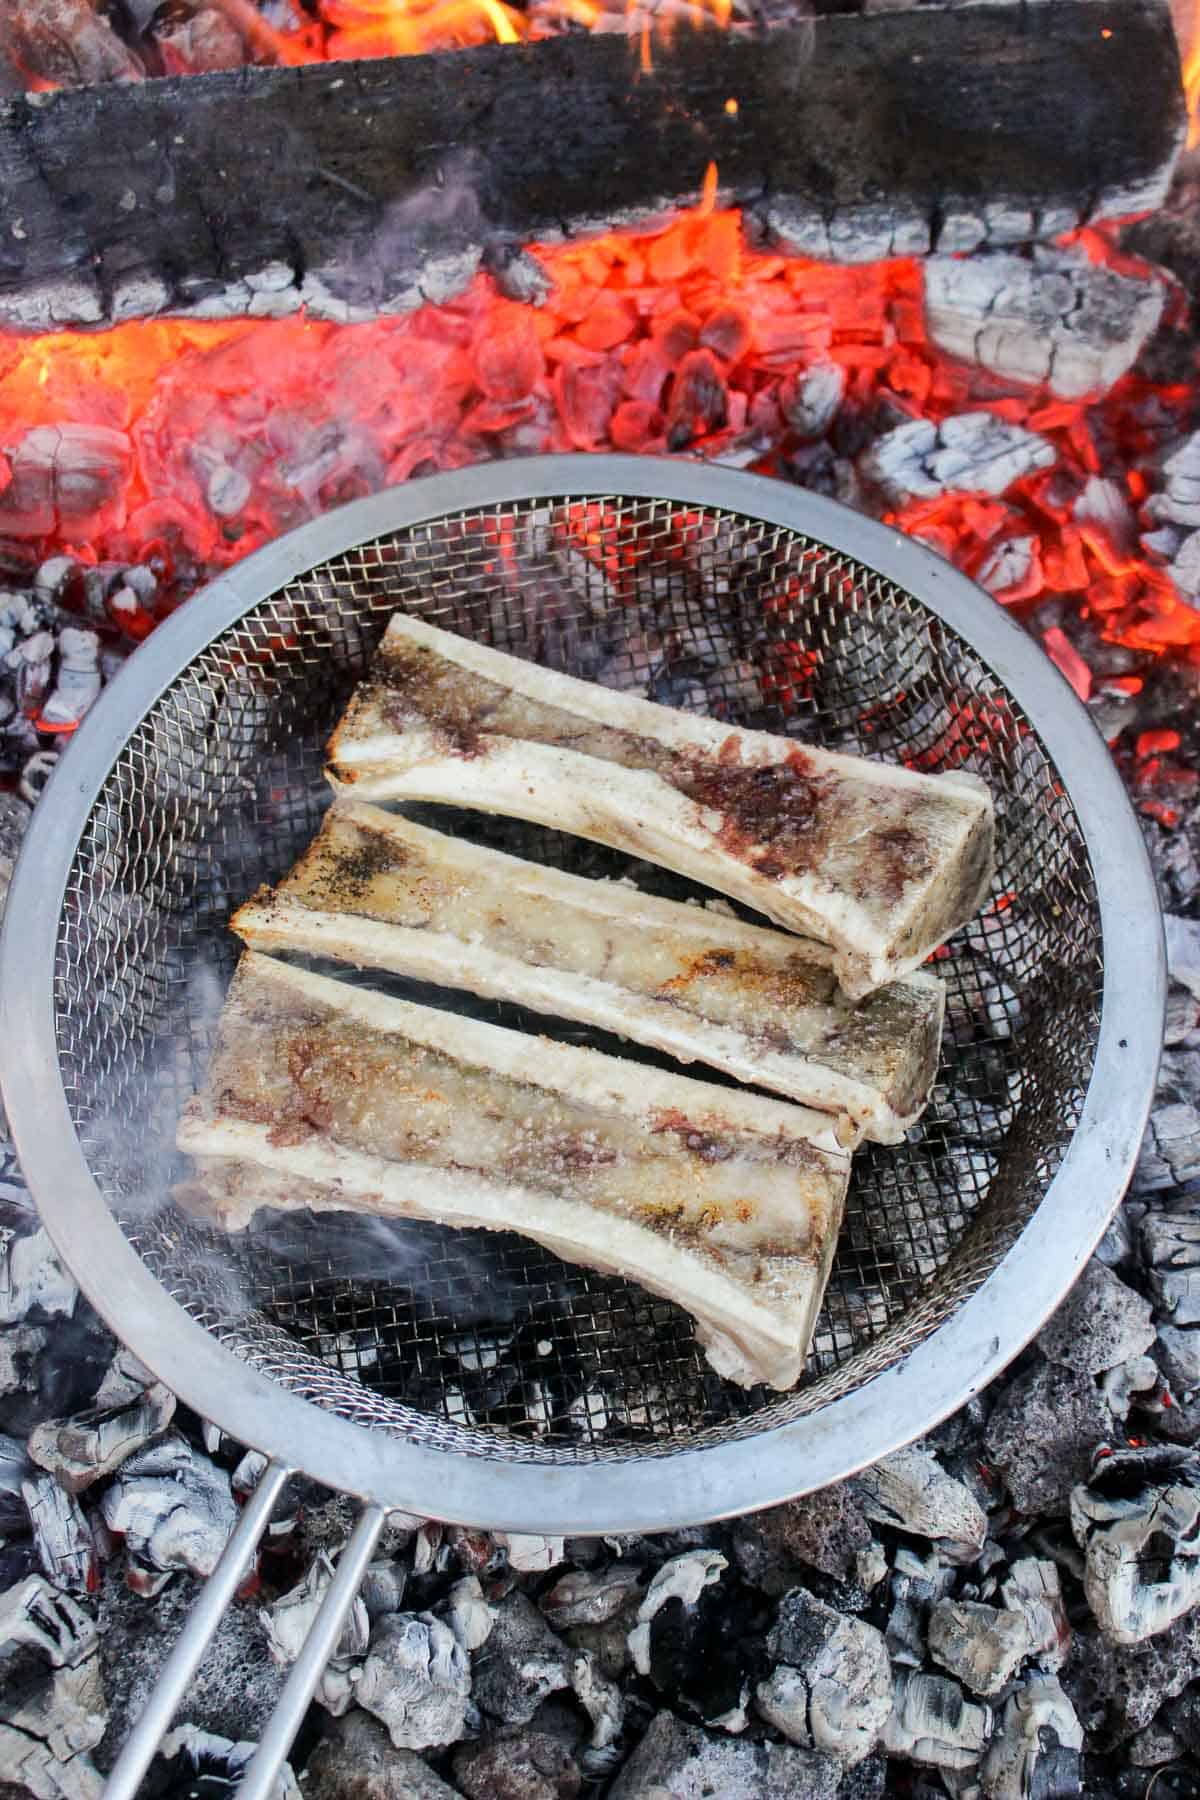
x,y
357,188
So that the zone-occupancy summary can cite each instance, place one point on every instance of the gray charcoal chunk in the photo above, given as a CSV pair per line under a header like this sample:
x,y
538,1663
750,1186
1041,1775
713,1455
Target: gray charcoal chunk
x,y
356,1760
675,1761
520,1664
824,1531
1042,1433
983,1646
832,1688
1100,1324
522,1765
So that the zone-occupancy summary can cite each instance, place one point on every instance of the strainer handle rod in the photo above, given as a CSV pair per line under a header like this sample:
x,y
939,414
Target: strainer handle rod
x,y
258,1783
194,1639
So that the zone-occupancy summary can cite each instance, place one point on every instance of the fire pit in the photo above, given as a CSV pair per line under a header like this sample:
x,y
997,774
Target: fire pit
x,y
467,1375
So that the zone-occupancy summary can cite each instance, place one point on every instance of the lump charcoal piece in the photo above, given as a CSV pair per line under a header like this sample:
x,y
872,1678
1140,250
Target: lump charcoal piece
x,y
1101,1324
356,1760
910,1491
383,892
1055,318
933,1722
81,1450
612,1164
51,1721
62,1535
1042,1433
832,1687
1178,501
676,1761
1037,1746
1033,1588
1169,1157
969,453
174,1508
879,862
1171,1248
982,1646
416,1678
694,1636
524,1663
827,1531
31,1278
468,1614
1141,1542
211,1760
526,1765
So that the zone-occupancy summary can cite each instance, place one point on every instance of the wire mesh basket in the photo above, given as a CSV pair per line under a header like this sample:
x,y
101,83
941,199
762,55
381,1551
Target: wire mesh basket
x,y
480,1352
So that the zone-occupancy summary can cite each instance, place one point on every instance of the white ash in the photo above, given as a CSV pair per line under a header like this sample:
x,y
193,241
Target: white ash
x,y
1142,1549
1036,1749
831,1689
811,401
684,1578
1033,1588
933,1722
174,1508
590,1597
288,1622
982,1646
416,1679
912,1492
1054,317
468,1614
604,1704
528,1554
1128,1384
969,453
81,1450
32,1278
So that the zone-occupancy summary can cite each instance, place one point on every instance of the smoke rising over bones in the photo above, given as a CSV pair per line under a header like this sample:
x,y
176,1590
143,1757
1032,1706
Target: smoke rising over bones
x,y
1010,1608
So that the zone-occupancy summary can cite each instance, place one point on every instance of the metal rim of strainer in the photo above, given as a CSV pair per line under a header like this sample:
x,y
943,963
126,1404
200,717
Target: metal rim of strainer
x,y
692,1484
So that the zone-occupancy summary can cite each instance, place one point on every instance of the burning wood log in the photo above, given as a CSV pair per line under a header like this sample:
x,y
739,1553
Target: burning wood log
x,y
336,192
381,892
882,863
328,1097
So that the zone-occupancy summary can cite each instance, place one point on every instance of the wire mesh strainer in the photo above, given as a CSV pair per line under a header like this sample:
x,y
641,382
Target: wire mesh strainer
x,y
473,1376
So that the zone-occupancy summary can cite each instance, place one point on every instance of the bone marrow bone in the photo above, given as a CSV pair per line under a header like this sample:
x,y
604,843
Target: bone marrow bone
x,y
881,863
332,1097
382,892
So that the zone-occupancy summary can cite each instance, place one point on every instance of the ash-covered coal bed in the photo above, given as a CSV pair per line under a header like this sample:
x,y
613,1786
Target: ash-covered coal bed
x,y
1009,1608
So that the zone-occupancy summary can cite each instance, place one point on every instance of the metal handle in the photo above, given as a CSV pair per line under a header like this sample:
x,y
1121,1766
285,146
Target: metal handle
x,y
259,1779
195,1637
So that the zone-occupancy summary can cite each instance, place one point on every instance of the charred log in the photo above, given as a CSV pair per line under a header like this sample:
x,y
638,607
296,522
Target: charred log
x,y
261,190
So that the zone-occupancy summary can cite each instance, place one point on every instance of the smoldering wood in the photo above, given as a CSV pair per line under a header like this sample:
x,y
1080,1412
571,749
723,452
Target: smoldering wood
x,y
331,186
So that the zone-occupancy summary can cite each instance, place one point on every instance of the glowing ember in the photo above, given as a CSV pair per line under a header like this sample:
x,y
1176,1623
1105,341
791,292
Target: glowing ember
x,y
193,444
